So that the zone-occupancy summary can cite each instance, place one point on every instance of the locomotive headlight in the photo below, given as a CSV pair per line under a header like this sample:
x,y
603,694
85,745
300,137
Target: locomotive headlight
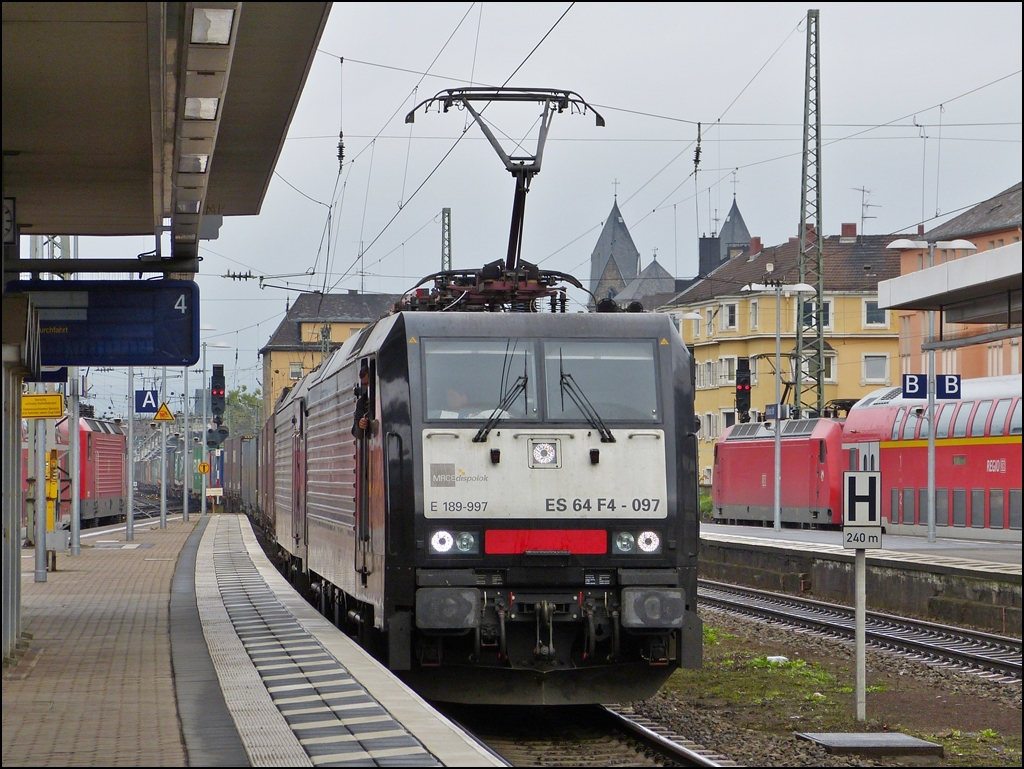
x,y
441,541
466,542
624,542
649,542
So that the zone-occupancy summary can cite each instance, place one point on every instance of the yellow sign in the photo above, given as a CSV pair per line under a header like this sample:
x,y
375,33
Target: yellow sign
x,y
42,406
163,414
204,468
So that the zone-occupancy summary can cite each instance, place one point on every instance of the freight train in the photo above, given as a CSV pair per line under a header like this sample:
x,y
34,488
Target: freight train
x,y
977,460
518,522
103,447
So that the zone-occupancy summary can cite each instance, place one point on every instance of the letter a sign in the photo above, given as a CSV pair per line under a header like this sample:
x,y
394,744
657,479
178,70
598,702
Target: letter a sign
x,y
146,402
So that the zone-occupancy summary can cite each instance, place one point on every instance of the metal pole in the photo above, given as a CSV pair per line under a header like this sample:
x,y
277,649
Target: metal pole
x,y
186,459
778,407
931,413
163,456
74,462
860,615
129,518
40,497
202,431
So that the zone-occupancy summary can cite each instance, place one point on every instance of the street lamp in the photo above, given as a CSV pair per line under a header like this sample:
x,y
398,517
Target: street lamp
x,y
905,244
779,287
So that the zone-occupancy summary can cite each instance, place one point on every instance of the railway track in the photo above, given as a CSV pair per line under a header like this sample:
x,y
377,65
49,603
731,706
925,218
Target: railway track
x,y
585,735
976,651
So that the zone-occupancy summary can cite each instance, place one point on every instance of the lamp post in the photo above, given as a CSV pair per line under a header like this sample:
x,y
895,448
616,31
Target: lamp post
x,y
904,244
778,287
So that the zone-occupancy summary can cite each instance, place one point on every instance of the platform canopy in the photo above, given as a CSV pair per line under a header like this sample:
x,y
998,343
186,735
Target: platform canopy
x,y
981,288
119,118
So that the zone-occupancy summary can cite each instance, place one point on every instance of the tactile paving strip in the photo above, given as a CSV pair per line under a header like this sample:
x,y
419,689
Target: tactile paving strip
x,y
332,718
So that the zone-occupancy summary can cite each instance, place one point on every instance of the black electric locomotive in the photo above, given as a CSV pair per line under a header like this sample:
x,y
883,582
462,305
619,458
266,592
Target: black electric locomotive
x,y
516,521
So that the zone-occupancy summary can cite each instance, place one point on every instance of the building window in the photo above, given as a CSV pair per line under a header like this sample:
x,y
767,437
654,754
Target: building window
x,y
831,373
753,314
727,319
873,315
709,325
727,370
875,369
295,371
696,329
826,313
728,418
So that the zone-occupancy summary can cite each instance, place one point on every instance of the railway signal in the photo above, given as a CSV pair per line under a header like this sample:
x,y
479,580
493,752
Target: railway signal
x,y
743,389
217,402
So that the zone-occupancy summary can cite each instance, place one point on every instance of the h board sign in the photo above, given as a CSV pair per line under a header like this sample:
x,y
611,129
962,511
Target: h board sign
x,y
947,386
862,509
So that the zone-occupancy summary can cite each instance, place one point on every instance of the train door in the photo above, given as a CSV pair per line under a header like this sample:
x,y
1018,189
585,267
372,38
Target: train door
x,y
299,480
368,449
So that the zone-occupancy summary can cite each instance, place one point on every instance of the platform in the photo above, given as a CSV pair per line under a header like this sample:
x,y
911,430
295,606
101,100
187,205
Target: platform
x,y
190,649
999,557
951,581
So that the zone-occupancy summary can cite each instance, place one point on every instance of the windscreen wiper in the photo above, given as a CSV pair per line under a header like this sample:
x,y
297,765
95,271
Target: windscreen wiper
x,y
568,385
518,388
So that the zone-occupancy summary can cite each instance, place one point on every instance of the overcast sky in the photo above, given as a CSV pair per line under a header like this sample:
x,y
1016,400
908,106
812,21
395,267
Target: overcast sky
x,y
920,105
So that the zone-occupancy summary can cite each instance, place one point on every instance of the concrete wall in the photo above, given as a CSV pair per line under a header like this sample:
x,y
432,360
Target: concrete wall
x,y
989,602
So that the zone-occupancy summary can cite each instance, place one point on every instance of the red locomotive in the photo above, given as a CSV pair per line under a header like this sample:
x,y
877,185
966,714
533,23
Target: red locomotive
x,y
103,447
977,460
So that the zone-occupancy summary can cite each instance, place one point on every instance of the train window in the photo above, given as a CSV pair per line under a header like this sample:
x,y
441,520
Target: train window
x,y
1015,505
896,424
617,377
908,506
995,508
910,428
922,505
942,507
980,419
945,417
962,416
999,417
977,508
1015,419
88,445
959,507
894,506
469,378
822,451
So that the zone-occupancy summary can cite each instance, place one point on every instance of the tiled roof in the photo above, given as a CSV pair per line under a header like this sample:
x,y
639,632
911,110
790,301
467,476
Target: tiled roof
x,y
654,279
327,308
855,266
1001,212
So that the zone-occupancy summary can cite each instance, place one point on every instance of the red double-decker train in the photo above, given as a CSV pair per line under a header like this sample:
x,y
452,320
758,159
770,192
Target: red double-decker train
x,y
977,460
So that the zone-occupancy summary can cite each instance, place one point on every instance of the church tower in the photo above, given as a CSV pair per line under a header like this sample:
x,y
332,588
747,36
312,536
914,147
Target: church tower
x,y
615,260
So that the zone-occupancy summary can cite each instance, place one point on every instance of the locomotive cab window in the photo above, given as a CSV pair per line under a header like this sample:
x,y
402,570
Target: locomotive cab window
x,y
472,378
617,378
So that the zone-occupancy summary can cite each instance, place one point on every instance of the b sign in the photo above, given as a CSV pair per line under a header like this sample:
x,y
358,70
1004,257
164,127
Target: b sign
x,y
146,402
915,386
947,386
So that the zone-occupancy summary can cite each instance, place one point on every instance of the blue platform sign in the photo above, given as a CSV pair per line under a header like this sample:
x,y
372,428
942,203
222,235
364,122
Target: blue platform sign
x,y
947,386
115,322
915,386
147,401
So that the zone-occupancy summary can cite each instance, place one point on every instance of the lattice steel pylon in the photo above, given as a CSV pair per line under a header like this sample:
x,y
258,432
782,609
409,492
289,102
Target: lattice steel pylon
x,y
446,239
809,392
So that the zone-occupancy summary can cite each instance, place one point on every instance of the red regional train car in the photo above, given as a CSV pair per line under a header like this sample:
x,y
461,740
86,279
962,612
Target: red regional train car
x,y
977,458
104,480
743,483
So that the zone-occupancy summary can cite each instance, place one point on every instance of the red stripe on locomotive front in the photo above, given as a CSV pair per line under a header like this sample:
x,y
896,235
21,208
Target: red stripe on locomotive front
x,y
518,541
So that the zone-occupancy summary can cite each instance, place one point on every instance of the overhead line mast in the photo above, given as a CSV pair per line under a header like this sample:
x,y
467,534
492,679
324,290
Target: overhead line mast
x,y
810,330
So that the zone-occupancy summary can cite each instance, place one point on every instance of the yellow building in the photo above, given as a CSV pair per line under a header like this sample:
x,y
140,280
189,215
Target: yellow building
x,y
312,328
861,341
